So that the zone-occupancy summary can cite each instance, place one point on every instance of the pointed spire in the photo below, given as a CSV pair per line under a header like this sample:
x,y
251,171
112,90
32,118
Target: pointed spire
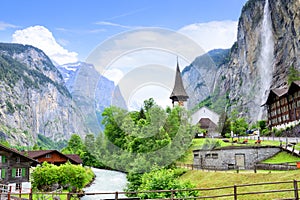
x,y
178,94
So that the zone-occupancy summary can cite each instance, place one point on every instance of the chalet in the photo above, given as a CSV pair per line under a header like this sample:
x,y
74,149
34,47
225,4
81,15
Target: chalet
x,y
14,168
206,119
283,105
54,157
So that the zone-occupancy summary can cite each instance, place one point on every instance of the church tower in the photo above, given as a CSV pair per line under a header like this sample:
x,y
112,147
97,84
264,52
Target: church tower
x,y
178,95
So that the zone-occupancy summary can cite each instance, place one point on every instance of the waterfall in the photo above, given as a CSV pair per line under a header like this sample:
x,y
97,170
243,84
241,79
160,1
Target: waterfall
x,y
266,58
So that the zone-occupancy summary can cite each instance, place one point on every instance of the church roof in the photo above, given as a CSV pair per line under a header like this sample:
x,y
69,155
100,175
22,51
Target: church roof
x,y
178,92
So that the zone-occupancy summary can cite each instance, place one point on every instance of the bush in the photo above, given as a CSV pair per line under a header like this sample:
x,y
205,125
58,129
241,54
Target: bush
x,y
164,179
67,175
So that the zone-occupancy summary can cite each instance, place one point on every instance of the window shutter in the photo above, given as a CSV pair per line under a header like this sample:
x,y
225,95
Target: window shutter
x,y
3,159
23,172
13,172
3,173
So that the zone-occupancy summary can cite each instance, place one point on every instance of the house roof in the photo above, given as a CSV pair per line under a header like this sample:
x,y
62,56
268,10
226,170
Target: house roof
x,y
38,153
178,92
207,123
74,157
279,92
4,148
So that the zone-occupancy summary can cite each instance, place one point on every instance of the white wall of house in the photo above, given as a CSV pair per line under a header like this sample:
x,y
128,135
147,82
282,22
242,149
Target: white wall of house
x,y
26,187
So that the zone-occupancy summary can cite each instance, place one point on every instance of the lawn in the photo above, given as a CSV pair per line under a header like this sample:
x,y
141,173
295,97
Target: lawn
x,y
282,157
205,179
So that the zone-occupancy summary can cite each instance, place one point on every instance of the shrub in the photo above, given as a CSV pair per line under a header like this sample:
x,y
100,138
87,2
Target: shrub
x,y
67,175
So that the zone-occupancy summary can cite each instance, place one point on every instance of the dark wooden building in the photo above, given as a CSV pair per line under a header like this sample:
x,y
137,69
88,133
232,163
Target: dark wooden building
x,y
283,105
54,157
14,167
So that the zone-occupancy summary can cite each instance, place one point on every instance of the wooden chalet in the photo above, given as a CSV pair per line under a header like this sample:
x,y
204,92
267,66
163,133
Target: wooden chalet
x,y
54,157
283,105
14,167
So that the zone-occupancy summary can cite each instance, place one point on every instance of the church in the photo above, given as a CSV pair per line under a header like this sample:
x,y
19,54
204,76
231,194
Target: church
x,y
204,117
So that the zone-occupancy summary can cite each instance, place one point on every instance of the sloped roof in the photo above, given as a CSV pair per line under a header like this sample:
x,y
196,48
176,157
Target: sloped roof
x,y
76,158
207,123
279,92
4,148
178,92
38,153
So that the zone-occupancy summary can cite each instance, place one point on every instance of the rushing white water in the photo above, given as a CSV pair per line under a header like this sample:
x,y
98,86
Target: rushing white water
x,y
106,181
266,59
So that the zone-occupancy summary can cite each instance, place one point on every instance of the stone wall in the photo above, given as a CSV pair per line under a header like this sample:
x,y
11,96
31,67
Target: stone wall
x,y
231,157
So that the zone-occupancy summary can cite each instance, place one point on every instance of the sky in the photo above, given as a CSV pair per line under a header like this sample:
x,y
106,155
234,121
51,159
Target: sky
x,y
69,31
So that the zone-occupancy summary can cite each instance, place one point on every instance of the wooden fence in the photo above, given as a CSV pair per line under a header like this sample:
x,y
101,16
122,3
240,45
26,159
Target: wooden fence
x,y
287,189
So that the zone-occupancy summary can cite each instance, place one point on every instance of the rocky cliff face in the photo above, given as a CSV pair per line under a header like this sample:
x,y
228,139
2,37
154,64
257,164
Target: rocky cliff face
x,y
199,76
268,45
91,92
33,100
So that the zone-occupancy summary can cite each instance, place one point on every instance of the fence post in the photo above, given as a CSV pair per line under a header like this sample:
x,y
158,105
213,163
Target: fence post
x,y
30,194
172,194
296,190
116,196
9,191
68,196
235,192
20,192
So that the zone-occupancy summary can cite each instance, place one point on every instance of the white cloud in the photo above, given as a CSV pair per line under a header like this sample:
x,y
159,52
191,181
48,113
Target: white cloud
x,y
42,38
212,35
105,23
4,26
113,74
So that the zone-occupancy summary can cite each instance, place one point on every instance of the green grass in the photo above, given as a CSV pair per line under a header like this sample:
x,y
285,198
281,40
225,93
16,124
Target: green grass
x,y
282,157
205,179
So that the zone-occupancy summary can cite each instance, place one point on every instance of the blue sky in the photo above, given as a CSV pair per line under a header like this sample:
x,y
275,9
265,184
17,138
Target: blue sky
x,y
68,31
79,26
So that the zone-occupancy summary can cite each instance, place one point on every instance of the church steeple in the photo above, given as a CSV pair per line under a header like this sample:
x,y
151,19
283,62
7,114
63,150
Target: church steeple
x,y
178,94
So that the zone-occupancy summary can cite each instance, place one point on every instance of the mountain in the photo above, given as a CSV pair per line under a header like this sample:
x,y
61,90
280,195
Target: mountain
x,y
33,99
199,76
91,91
267,48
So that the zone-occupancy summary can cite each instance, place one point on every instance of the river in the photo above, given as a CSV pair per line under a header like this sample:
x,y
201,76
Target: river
x,y
106,181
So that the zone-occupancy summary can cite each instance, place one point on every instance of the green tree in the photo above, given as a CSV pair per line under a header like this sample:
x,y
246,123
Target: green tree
x,y
164,179
294,75
75,145
238,124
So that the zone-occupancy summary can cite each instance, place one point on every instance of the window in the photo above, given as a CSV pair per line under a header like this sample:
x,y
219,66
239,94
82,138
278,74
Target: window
x,y
48,155
18,186
19,172
196,155
17,159
214,155
207,155
211,155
